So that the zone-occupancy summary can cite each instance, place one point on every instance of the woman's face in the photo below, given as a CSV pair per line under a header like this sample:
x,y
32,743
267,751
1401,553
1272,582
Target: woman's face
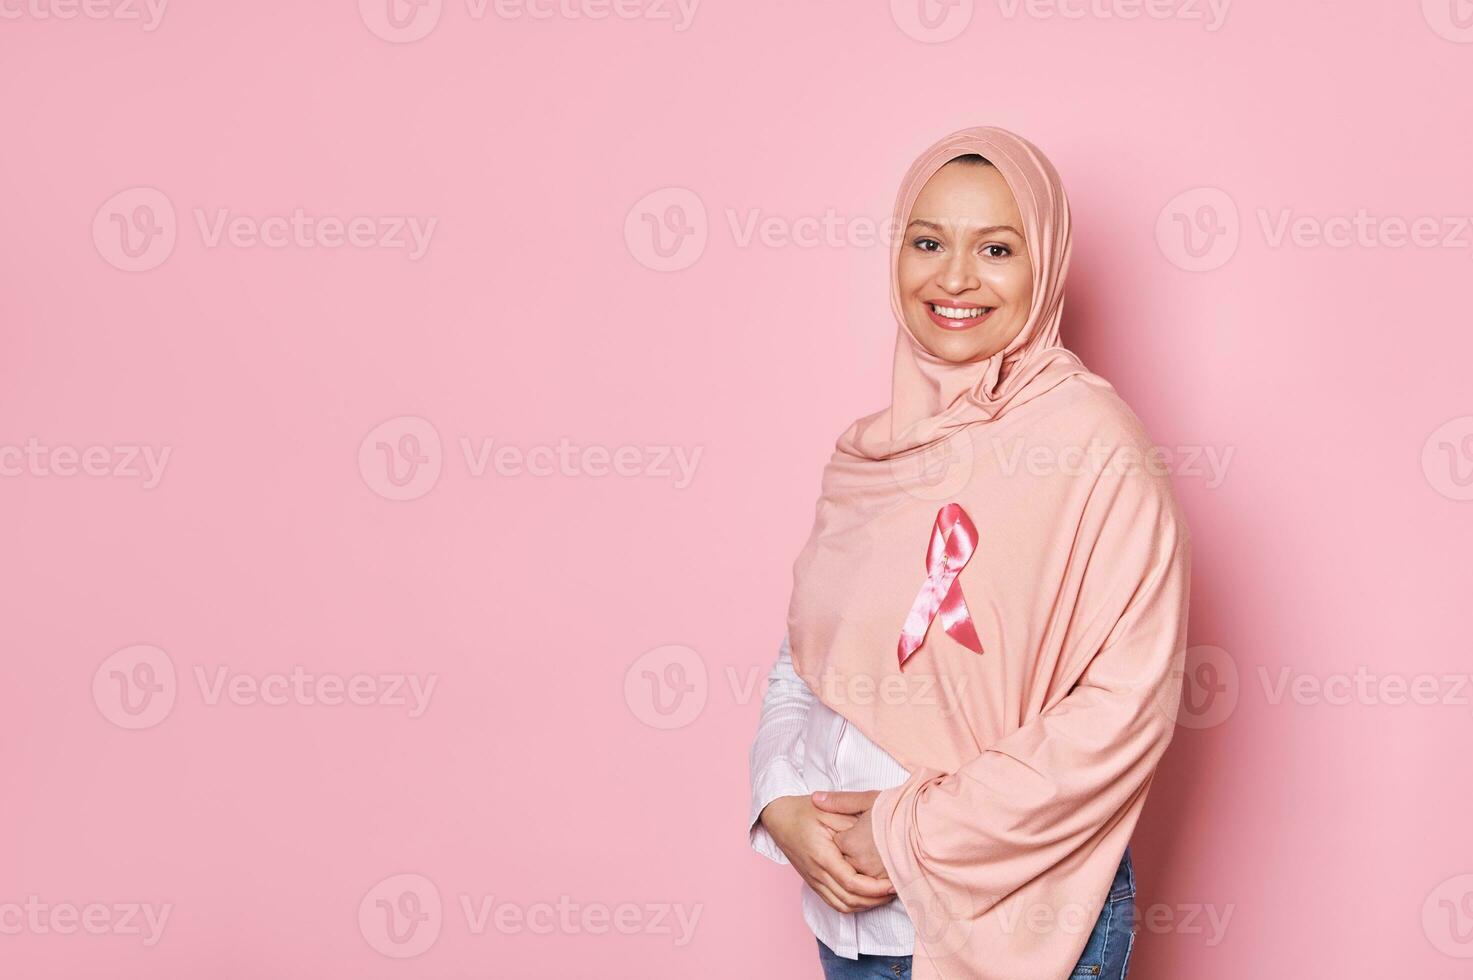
x,y
965,278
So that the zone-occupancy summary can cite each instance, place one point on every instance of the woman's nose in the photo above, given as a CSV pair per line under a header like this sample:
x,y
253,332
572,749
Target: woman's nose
x,y
959,275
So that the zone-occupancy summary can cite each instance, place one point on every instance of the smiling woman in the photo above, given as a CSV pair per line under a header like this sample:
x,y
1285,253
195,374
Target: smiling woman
x,y
1002,824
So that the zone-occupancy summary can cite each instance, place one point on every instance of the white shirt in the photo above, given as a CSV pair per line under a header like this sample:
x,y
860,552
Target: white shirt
x,y
802,746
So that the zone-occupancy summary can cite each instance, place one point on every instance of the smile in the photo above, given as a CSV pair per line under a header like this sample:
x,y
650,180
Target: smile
x,y
958,317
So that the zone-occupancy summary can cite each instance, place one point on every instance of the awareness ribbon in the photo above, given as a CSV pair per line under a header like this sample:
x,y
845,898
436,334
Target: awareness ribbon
x,y
953,542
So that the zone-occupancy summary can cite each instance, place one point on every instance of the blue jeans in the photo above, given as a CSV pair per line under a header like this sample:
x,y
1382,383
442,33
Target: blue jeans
x,y
1106,955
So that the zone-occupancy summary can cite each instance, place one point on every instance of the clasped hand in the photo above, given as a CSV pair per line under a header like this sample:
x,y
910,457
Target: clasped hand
x,y
829,840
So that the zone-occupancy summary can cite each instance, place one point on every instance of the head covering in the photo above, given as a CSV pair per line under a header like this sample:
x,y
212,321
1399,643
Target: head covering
x,y
932,397
1021,494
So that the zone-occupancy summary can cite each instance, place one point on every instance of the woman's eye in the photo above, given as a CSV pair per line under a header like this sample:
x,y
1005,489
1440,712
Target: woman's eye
x,y
925,244
1003,249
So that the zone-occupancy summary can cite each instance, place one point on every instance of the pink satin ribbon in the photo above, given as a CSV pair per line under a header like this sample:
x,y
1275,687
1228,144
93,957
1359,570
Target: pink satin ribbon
x,y
953,542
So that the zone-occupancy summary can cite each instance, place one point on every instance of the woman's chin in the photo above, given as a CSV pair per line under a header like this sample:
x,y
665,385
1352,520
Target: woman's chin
x,y
962,347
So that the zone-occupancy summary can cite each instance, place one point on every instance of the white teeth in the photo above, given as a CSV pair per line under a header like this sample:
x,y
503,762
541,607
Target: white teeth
x,y
960,314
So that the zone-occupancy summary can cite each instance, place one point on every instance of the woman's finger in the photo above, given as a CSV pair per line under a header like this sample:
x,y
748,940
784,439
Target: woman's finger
x,y
836,821
842,802
852,901
849,881
849,902
826,893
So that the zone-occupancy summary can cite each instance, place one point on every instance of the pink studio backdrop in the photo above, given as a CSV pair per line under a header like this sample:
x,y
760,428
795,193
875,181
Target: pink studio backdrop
x,y
409,416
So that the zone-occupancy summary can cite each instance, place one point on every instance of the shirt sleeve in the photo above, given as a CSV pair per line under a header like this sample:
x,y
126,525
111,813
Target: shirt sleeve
x,y
776,769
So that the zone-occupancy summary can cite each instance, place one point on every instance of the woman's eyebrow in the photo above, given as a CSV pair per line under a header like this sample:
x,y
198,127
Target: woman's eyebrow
x,y
976,231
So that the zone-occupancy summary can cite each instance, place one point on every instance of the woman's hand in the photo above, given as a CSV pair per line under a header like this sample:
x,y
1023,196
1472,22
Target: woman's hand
x,y
857,842
806,835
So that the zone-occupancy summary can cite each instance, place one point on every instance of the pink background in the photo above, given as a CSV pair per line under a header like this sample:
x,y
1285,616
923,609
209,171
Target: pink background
x,y
1332,832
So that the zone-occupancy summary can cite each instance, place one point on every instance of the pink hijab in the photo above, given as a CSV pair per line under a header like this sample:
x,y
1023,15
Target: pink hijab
x,y
1030,760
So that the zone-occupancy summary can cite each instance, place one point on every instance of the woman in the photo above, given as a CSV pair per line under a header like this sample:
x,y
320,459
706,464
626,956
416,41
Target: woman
x,y
988,621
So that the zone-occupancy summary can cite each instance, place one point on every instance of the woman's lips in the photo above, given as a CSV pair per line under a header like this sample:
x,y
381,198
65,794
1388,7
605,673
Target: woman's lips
x,y
952,323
